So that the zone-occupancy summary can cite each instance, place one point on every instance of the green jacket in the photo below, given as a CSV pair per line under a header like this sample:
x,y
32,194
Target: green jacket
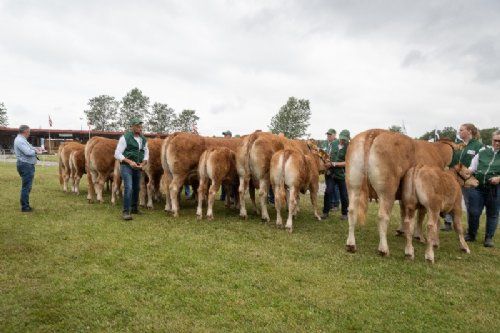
x,y
488,165
338,155
466,154
132,152
330,146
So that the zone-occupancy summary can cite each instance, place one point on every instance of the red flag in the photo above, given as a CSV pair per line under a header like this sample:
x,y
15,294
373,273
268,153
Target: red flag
x,y
50,121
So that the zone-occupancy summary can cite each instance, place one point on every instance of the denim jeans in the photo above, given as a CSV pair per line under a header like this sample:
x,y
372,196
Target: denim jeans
x,y
478,198
335,195
27,172
131,182
331,183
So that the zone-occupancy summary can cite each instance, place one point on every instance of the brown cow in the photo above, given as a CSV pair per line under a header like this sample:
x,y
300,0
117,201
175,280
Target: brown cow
x,y
77,166
99,164
180,156
380,159
298,172
438,192
253,163
218,166
64,152
152,173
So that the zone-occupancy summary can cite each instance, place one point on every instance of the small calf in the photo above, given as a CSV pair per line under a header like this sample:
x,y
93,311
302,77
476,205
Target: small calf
x,y
437,191
298,172
217,165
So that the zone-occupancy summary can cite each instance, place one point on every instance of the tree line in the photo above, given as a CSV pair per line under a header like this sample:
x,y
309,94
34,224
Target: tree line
x,y
105,113
448,132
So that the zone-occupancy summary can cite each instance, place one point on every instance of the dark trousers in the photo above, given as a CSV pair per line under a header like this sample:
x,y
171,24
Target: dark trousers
x,y
448,219
330,183
131,182
27,172
234,190
335,195
480,197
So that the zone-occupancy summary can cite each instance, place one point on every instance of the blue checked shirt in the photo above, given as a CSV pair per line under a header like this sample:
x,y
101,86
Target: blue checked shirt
x,y
24,150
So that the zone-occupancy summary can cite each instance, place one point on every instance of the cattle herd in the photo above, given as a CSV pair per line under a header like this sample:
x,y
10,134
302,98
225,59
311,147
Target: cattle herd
x,y
380,164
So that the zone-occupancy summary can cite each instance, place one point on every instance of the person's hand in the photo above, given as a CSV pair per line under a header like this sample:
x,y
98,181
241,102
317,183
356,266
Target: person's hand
x,y
143,164
495,180
133,164
328,164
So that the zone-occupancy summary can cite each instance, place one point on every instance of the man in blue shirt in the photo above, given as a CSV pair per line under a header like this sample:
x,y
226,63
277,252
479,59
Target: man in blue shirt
x,y
26,160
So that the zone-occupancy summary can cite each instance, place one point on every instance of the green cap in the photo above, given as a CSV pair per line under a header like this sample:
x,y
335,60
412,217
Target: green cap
x,y
228,132
135,121
331,131
345,135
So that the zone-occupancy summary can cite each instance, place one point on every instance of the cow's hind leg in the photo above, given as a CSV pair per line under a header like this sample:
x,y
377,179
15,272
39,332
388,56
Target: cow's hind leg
x,y
175,187
212,192
384,214
202,189
263,192
409,223
292,207
431,235
457,225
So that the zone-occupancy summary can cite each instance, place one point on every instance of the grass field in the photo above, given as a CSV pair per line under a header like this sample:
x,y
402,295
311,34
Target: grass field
x,y
71,266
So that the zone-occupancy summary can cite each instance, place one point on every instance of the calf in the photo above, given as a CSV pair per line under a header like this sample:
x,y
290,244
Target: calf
x,y
100,165
217,165
298,172
436,191
152,173
64,153
77,166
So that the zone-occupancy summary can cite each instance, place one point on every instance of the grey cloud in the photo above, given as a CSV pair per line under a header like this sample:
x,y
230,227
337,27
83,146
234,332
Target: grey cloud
x,y
414,57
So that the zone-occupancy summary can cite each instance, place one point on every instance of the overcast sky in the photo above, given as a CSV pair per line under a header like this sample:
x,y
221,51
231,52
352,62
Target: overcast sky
x,y
362,64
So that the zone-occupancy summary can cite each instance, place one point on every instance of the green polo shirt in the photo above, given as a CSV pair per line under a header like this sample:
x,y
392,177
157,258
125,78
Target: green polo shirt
x,y
466,154
488,165
338,155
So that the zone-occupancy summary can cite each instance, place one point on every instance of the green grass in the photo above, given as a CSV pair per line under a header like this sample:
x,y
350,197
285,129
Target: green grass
x,y
71,266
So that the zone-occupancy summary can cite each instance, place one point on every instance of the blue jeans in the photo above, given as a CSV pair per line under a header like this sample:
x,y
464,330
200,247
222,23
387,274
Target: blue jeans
x,y
335,195
131,182
478,198
27,172
331,183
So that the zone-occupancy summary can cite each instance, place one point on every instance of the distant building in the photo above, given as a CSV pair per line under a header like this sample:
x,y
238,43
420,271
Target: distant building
x,y
40,137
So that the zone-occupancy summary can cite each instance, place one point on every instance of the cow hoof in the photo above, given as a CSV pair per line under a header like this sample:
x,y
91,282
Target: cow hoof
x,y
279,226
399,232
199,217
429,260
351,248
409,256
290,230
466,251
383,253
210,217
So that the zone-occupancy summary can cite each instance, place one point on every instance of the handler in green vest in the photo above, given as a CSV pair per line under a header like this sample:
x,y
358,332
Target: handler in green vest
x,y
486,168
469,134
132,152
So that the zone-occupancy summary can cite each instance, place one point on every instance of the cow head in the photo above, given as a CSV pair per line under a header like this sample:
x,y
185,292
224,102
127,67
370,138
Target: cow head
x,y
452,144
464,176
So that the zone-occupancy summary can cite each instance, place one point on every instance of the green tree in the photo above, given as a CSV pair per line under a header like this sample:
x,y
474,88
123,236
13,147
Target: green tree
x,y
396,128
186,121
4,121
292,119
448,133
486,134
134,104
102,113
162,118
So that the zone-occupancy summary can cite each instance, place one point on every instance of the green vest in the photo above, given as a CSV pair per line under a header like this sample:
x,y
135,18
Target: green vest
x,y
488,165
338,155
466,154
329,147
132,151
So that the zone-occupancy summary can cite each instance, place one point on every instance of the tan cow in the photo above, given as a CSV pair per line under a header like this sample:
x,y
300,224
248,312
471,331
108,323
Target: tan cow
x,y
180,156
77,166
298,172
218,166
100,165
253,163
379,159
152,173
438,192
64,153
